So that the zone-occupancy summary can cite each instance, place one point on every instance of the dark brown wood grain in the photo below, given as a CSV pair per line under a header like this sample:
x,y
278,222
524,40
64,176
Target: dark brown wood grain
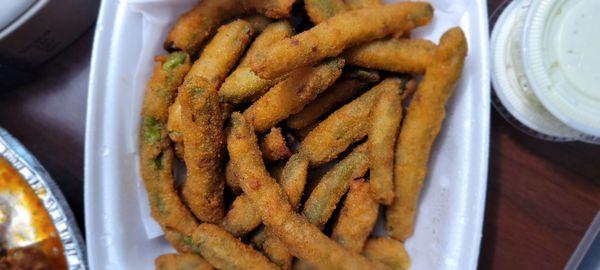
x,y
541,195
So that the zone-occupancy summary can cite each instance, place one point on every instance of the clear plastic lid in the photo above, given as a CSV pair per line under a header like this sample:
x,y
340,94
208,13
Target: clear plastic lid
x,y
560,51
514,97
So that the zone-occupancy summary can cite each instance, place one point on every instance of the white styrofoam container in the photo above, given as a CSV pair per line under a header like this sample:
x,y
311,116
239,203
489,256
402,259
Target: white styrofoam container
x,y
129,34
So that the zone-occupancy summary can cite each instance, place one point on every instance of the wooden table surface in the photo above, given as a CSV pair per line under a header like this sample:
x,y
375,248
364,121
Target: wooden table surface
x,y
541,195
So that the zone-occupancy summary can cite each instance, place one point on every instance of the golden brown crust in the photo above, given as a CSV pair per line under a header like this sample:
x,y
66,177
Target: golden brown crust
x,y
243,84
333,185
396,55
195,26
320,10
420,128
332,36
292,94
345,126
202,120
357,217
224,251
385,119
302,239
273,146
387,251
156,154
336,95
357,4
181,261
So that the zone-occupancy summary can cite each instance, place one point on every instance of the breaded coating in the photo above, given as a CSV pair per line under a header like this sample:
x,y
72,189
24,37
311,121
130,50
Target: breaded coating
x,y
330,38
345,126
202,121
156,154
174,127
243,218
273,146
388,251
358,4
224,251
396,55
195,26
320,10
258,22
243,84
222,52
203,139
292,181
292,94
231,178
336,95
277,251
357,217
181,261
217,59
386,116
333,185
420,128
302,265
302,239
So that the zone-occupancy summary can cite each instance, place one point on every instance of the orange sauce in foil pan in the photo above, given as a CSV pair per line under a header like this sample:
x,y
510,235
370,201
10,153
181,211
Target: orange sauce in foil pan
x,y
37,228
28,238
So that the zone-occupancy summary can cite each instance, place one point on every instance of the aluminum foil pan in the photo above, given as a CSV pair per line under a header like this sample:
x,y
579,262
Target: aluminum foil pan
x,y
50,196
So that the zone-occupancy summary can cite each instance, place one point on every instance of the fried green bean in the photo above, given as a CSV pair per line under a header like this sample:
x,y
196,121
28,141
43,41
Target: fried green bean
x,y
387,251
156,154
243,84
333,185
174,127
396,55
216,60
231,178
320,10
358,4
276,251
258,22
292,94
337,94
303,265
342,31
181,261
345,126
273,146
195,26
242,217
386,116
224,251
420,128
202,122
293,180
302,239
357,217
203,140
180,240
222,52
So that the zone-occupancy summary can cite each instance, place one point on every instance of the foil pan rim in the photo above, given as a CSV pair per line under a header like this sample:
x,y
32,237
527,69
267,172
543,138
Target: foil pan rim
x,y
51,197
